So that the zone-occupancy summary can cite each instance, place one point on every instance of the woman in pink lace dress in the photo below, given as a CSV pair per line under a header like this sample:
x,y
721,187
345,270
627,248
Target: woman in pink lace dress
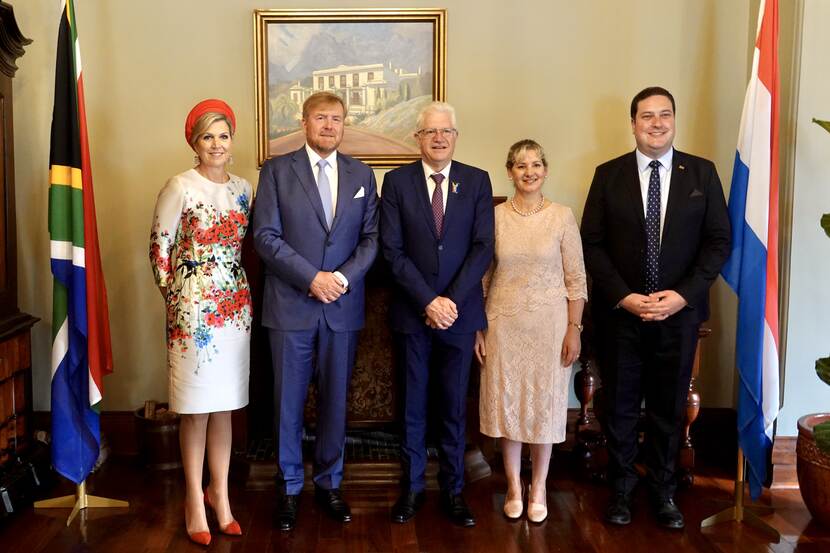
x,y
536,291
200,220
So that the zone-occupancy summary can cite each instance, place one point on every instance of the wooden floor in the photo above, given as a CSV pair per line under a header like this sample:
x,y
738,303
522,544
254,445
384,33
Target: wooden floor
x,y
154,522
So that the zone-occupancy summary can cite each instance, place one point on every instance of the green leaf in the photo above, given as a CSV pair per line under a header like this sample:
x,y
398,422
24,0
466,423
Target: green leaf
x,y
825,223
822,434
824,124
823,369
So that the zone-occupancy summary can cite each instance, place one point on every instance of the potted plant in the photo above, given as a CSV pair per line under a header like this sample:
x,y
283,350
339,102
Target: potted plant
x,y
813,446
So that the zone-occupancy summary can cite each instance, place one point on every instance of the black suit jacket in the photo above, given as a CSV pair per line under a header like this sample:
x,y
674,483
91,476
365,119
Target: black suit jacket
x,y
695,241
425,265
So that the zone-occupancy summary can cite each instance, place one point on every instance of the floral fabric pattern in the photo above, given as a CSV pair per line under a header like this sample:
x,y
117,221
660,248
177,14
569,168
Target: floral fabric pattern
x,y
199,264
195,253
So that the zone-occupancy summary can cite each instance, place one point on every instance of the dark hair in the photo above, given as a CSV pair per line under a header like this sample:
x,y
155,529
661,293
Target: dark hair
x,y
524,146
648,93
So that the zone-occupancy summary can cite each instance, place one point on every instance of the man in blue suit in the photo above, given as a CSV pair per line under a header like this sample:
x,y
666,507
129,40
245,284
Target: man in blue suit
x,y
437,236
316,229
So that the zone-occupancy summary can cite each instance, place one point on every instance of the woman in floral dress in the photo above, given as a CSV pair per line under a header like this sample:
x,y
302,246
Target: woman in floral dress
x,y
200,220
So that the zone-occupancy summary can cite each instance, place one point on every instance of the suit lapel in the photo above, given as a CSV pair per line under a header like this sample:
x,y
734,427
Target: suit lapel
x,y
419,186
631,177
302,168
346,189
679,190
453,197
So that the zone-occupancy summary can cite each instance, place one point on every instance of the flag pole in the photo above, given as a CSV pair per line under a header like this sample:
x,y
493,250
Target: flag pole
x,y
744,513
80,501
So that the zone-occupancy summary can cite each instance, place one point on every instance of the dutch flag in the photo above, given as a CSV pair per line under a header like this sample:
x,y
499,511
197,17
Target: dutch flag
x,y
752,268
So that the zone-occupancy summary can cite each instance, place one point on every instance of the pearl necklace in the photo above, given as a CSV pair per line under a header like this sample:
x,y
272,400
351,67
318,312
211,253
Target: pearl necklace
x,y
536,209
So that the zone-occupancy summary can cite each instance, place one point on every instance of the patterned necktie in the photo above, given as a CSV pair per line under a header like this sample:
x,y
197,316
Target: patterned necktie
x,y
325,190
653,228
438,203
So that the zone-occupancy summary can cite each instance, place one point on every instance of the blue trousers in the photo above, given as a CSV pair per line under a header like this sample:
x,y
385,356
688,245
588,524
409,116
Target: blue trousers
x,y
297,357
441,355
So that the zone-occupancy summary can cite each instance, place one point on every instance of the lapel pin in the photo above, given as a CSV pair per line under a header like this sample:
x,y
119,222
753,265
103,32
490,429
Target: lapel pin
x,y
455,186
681,167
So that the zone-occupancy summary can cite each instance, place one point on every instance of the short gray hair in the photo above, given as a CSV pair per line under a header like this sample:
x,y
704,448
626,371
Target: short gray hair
x,y
435,107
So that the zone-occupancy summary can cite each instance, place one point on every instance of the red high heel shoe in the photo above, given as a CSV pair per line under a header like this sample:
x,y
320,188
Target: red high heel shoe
x,y
232,528
202,538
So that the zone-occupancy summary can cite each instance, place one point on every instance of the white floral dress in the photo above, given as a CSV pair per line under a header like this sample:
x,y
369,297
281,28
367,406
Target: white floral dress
x,y
195,250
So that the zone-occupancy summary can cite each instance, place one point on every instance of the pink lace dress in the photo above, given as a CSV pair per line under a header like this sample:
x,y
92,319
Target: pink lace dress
x,y
536,269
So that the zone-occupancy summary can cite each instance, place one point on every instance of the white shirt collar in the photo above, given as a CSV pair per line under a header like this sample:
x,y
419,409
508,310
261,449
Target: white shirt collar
x,y
665,161
315,158
430,171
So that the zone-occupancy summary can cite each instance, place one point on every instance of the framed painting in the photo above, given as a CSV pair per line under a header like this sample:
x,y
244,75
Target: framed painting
x,y
386,64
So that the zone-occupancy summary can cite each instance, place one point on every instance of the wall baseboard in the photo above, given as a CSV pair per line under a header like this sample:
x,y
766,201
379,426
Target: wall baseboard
x,y
784,474
117,427
713,445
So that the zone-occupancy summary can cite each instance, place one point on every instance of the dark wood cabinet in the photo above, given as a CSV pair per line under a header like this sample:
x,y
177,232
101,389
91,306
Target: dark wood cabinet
x,y
15,341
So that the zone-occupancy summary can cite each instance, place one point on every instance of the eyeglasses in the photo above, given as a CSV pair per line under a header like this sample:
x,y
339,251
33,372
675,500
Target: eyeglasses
x,y
430,133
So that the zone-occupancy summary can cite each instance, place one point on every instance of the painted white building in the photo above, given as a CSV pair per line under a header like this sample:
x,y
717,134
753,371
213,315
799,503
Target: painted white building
x,y
363,88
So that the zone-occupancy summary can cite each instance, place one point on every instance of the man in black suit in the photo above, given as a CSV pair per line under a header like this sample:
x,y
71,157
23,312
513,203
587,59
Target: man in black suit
x,y
655,233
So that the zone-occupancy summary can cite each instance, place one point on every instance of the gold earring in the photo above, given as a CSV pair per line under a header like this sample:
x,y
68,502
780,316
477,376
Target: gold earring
x,y
196,160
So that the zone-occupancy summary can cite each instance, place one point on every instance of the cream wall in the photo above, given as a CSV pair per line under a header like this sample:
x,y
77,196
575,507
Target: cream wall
x,y
809,292
562,72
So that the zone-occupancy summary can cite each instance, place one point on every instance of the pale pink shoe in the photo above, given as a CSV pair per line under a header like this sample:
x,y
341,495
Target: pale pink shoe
x,y
536,512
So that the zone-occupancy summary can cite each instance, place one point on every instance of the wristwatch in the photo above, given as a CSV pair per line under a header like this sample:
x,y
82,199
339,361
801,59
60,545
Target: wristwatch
x,y
578,326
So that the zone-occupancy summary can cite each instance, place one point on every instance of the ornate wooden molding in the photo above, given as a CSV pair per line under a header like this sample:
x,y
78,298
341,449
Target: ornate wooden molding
x,y
12,40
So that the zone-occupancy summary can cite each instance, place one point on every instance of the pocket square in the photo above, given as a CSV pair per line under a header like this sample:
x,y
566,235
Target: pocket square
x,y
360,193
696,193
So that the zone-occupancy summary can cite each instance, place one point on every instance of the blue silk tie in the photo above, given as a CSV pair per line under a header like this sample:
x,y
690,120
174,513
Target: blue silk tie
x,y
325,190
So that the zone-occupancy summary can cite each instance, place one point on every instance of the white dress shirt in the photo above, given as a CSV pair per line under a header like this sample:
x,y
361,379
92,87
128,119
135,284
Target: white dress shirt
x,y
665,180
331,172
445,185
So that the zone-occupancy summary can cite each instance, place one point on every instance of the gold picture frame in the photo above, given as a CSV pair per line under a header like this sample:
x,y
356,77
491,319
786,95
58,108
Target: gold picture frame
x,y
385,63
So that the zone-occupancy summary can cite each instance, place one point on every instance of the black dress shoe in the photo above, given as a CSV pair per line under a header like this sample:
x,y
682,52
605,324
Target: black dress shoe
x,y
619,510
333,504
407,505
285,516
456,509
668,515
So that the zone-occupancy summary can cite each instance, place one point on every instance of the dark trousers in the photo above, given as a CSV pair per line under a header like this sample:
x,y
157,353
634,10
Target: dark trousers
x,y
651,361
297,357
422,356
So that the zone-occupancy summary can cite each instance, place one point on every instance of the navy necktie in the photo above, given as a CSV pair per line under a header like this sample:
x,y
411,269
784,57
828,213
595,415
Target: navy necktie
x,y
325,190
653,229
438,203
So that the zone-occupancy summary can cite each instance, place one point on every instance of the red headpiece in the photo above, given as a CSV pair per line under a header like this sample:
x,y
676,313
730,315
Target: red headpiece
x,y
207,106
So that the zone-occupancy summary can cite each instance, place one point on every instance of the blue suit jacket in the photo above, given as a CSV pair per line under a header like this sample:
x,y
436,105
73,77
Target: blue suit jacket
x,y
425,265
291,237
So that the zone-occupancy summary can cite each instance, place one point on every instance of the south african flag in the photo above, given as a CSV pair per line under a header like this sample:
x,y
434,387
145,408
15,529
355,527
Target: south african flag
x,y
81,350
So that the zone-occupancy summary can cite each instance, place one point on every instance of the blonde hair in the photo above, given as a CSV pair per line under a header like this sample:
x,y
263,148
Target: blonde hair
x,y
322,99
204,122
522,147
